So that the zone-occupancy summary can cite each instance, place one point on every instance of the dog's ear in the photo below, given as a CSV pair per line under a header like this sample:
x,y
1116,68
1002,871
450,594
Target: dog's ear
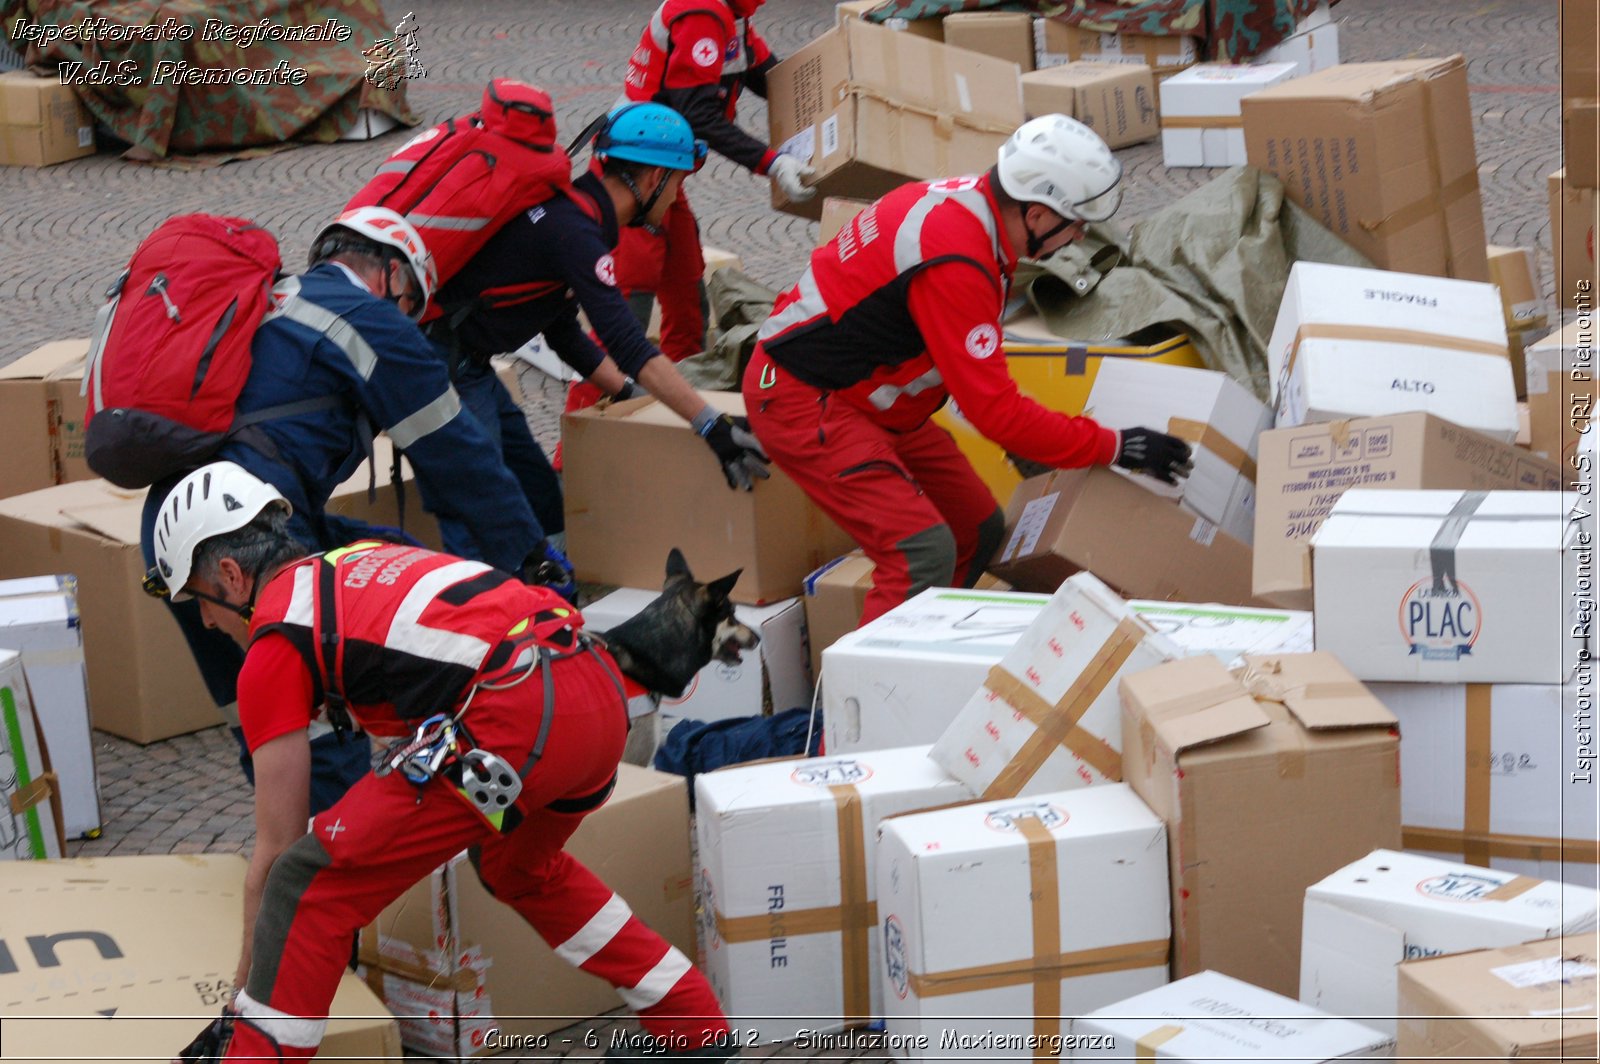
x,y
677,568
719,589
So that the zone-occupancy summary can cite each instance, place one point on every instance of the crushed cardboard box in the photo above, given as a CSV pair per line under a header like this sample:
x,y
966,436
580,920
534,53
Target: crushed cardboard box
x,y
1116,100
1200,121
42,121
30,809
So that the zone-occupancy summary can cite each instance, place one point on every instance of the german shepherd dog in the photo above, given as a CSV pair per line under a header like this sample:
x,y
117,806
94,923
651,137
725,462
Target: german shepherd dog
x,y
665,644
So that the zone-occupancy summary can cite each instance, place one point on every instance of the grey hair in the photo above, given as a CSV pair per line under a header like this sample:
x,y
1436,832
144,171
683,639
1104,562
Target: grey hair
x,y
263,544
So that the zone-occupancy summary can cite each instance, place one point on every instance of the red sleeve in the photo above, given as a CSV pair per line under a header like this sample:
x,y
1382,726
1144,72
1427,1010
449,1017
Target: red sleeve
x,y
759,52
699,43
275,690
956,305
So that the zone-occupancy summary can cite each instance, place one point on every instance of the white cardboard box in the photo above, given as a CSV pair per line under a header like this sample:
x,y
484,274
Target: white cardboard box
x,y
779,675
902,679
39,619
1208,409
1210,1017
1200,120
27,821
1001,918
1446,586
1227,632
1352,342
1485,777
786,855
1389,907
1048,717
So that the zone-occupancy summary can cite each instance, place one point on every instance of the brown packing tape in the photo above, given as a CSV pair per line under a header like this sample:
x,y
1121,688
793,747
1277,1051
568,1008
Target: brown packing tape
x,y
1479,745
1202,434
1292,759
1412,213
1386,335
1513,888
37,790
463,981
931,113
1145,1048
1044,895
1129,956
1514,847
855,973
1203,122
816,921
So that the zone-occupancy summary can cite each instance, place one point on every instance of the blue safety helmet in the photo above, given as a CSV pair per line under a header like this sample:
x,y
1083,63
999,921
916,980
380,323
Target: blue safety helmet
x,y
650,133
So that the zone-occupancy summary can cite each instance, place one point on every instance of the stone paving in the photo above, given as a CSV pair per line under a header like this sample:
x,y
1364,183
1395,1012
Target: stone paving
x,y
66,231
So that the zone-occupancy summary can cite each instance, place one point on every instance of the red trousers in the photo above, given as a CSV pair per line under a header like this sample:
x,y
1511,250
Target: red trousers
x,y
386,834
670,264
910,499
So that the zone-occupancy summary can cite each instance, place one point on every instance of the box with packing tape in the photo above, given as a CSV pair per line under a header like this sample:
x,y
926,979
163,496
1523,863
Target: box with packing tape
x,y
1212,751
1116,100
1388,907
1200,123
39,403
787,850
1064,903
1484,779
453,963
1561,390
30,808
1047,717
1227,633
870,109
132,956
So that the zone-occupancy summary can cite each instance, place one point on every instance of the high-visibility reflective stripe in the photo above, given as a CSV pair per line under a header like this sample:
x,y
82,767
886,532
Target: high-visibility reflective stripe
x,y
446,221
593,936
808,306
658,983
300,597
339,332
660,35
431,418
884,396
908,238
407,634
397,166
286,1030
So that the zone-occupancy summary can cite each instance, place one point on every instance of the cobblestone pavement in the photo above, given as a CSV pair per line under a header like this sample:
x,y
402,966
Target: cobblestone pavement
x,y
65,232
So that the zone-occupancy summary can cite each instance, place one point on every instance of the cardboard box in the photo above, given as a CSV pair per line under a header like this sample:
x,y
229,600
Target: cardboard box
x,y
787,880
1064,909
1573,212
714,259
1218,1018
1561,390
1388,907
1144,546
1310,49
931,28
1056,43
1580,49
1047,716
1303,471
1512,270
127,958
39,401
639,482
1116,100
41,121
1484,778
773,678
1352,342
1200,123
39,620
1580,141
1210,410
1227,633
1004,35
838,212
30,811
1534,1001
453,963
903,678
1448,586
870,109
1213,753
1382,154
835,596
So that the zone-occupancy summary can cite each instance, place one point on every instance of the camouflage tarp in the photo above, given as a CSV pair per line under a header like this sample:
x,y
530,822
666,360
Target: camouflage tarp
x,y
183,76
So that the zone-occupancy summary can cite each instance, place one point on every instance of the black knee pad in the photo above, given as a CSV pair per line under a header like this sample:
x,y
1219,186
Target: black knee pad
x,y
991,533
930,558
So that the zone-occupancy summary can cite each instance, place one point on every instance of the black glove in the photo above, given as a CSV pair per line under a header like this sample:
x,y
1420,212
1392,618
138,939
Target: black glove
x,y
1155,454
743,460
547,567
211,1043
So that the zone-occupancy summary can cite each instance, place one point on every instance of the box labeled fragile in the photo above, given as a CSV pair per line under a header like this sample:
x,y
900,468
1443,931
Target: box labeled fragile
x,y
788,889
1200,122
1047,717
1063,903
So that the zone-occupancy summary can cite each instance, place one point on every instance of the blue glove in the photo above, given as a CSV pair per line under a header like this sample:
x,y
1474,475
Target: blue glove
x,y
548,567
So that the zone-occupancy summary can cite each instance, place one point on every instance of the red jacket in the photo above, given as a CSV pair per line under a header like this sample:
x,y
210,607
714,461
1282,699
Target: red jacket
x,y
901,311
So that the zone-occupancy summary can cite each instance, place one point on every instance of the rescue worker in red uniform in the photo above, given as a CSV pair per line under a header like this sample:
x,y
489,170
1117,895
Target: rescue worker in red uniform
x,y
696,56
901,312
539,728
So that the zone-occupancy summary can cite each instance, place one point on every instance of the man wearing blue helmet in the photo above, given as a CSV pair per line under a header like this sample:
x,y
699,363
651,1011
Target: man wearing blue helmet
x,y
556,258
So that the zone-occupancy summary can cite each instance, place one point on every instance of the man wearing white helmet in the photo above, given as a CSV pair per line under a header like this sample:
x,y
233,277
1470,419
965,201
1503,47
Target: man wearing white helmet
x,y
901,312
341,340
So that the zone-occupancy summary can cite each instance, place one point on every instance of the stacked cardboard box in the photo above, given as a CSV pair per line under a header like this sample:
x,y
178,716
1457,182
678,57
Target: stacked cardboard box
x,y
1004,35
1200,121
39,402
1056,43
1116,100
931,28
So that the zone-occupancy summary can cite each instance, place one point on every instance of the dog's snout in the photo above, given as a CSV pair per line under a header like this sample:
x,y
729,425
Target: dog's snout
x,y
732,639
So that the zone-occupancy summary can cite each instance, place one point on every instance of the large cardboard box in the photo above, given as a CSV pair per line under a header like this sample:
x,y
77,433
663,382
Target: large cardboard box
x,y
1210,1017
1063,903
1288,752
1303,471
30,813
931,28
838,212
772,678
1056,43
1580,50
1200,121
1210,410
453,963
127,958
788,889
1449,586
1144,546
41,121
1047,717
1485,778
1388,907
1002,34
639,482
1116,100
1580,141
39,620
1561,390
1351,342
40,405
869,109
1573,212
903,678
1227,633
1534,1001
1382,154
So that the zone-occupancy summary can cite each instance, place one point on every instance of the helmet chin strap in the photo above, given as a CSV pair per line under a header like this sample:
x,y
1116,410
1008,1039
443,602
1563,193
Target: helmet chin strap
x,y
1035,242
644,205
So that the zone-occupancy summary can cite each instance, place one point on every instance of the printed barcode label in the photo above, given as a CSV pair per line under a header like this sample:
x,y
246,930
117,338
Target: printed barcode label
x,y
1542,972
1030,526
1203,532
830,136
85,136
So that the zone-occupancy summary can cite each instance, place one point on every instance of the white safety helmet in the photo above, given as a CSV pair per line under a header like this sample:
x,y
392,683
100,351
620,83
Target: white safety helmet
x,y
1063,164
214,499
386,227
